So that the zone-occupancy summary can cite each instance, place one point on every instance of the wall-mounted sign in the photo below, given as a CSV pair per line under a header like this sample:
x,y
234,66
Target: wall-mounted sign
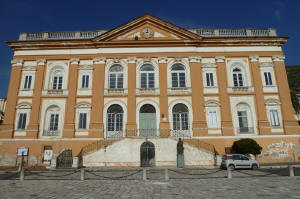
x,y
48,154
23,151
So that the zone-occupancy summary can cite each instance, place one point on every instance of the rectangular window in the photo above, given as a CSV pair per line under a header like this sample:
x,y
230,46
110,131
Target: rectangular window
x,y
22,121
57,82
151,80
27,83
212,119
268,78
82,120
238,79
182,79
143,80
209,79
53,125
85,81
174,80
274,118
243,121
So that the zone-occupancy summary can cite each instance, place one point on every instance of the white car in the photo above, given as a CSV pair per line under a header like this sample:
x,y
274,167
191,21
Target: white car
x,y
238,161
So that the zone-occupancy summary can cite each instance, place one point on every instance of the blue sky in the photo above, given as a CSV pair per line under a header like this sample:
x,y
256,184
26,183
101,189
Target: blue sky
x,y
61,15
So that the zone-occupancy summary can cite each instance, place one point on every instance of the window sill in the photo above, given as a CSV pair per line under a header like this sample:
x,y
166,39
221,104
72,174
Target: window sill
x,y
179,90
142,91
240,89
115,91
55,92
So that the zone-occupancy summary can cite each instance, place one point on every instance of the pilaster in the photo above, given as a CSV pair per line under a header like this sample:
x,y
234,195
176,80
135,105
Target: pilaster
x,y
7,127
199,125
226,118
131,113
290,124
262,119
69,124
164,126
33,126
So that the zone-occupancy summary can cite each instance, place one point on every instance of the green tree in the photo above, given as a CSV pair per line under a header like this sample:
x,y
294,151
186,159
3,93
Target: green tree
x,y
246,146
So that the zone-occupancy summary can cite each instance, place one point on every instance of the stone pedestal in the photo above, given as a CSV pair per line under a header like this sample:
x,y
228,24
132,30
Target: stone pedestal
x,y
180,161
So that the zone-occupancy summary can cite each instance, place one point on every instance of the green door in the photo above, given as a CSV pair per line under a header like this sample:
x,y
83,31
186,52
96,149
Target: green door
x,y
147,124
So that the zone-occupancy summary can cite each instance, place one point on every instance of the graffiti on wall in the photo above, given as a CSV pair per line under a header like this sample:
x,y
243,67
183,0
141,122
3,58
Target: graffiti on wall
x,y
279,149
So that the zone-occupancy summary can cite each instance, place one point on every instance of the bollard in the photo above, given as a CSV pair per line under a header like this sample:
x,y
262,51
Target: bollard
x,y
22,174
82,172
229,175
144,174
291,169
166,174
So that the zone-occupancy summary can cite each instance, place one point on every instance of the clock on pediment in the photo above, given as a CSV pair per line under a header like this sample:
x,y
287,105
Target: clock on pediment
x,y
147,32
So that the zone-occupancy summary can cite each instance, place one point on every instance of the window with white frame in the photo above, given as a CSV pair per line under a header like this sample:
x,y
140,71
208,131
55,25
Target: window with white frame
x,y
57,80
237,76
52,121
178,76
116,76
82,123
209,79
85,81
274,117
27,82
22,121
180,117
147,76
268,78
115,121
244,119
22,116
213,120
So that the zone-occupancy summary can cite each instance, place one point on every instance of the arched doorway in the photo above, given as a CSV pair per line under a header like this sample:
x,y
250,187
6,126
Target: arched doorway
x,y
147,121
147,154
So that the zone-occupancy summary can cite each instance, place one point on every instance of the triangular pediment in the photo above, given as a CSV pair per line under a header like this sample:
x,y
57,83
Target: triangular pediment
x,y
147,28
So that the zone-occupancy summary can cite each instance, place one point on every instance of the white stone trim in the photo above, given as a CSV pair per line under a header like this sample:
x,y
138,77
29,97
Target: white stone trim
x,y
17,62
150,50
185,63
110,102
82,108
154,63
46,104
249,102
52,66
110,63
99,60
22,108
186,101
210,68
142,102
268,67
85,70
274,104
241,63
213,106
27,71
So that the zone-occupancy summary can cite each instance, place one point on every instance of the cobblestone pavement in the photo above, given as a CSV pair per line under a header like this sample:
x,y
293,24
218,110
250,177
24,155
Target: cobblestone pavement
x,y
183,183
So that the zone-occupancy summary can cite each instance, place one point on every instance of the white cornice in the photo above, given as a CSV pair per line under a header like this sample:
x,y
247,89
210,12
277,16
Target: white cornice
x,y
163,60
17,62
131,60
254,58
195,59
278,58
40,62
220,59
150,50
99,60
74,61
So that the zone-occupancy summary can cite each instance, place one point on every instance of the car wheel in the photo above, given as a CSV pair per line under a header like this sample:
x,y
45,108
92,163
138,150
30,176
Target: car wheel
x,y
254,166
231,167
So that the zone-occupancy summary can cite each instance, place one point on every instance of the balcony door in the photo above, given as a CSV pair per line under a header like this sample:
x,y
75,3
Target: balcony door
x,y
147,121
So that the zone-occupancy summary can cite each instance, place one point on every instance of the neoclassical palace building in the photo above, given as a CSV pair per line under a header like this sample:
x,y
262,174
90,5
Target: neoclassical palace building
x,y
123,97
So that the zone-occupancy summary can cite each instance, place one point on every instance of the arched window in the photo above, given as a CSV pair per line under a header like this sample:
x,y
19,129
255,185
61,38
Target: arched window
x,y
115,121
51,127
57,80
244,117
116,76
237,77
147,76
178,76
180,117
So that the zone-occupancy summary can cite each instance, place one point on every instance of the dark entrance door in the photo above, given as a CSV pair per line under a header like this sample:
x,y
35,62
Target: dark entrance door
x,y
147,154
65,159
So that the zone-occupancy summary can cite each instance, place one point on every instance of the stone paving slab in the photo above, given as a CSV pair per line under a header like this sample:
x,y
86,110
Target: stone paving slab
x,y
271,187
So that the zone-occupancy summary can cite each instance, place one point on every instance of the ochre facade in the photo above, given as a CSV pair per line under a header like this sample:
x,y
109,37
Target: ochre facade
x,y
246,96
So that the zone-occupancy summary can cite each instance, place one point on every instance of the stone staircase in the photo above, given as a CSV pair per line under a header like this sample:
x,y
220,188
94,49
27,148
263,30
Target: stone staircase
x,y
200,144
